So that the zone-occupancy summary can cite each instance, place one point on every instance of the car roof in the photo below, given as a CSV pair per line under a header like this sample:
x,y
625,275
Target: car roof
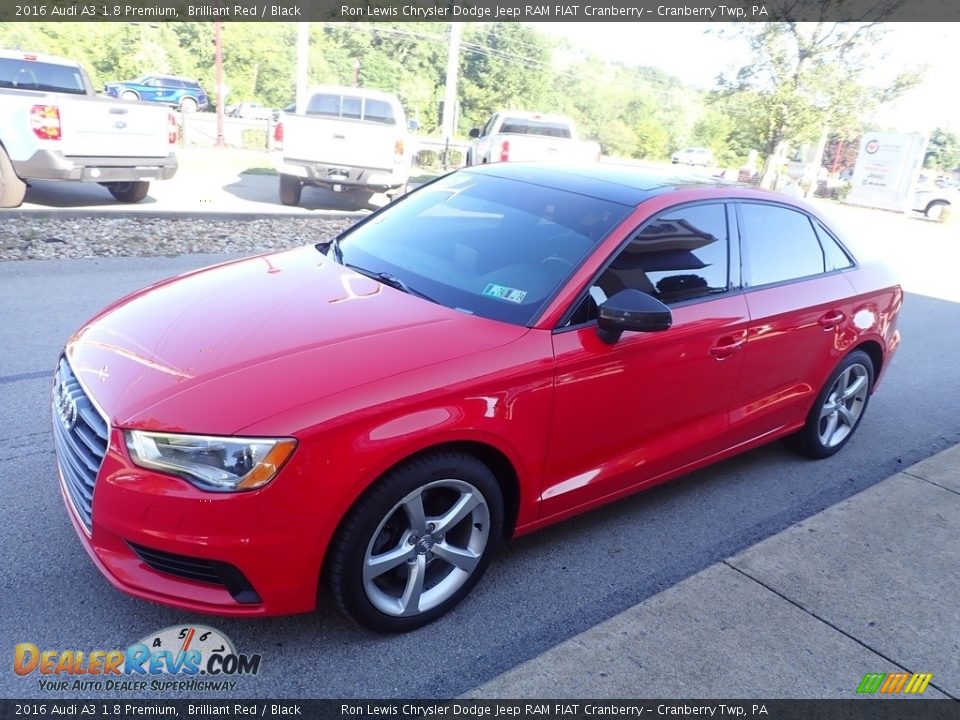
x,y
624,184
528,115
36,57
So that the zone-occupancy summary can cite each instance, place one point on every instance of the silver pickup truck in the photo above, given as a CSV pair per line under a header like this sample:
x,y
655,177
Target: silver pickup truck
x,y
54,127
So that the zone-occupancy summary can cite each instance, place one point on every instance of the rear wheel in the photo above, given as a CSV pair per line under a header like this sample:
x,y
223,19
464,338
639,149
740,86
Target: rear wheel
x,y
129,192
12,188
935,209
416,543
290,190
837,412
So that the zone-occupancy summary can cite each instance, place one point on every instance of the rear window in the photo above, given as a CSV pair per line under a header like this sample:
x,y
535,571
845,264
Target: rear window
x,y
351,107
517,126
32,75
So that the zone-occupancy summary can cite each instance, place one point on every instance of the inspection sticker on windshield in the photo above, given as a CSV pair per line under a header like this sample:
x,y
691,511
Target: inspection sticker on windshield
x,y
504,293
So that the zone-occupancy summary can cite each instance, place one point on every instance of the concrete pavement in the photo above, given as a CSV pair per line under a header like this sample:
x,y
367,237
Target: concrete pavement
x,y
870,585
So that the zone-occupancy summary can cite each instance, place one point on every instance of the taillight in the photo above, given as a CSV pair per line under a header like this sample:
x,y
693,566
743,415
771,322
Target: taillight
x,y
505,151
172,129
278,133
398,147
45,121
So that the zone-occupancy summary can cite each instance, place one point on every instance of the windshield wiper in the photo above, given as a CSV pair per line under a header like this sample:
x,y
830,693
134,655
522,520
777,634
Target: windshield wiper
x,y
389,279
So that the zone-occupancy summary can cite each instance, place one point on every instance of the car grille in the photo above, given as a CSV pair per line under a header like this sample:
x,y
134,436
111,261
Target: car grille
x,y
81,436
199,569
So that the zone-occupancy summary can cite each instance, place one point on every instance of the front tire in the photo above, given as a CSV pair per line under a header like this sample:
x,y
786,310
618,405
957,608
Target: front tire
x,y
290,190
129,95
935,209
188,105
839,408
129,192
12,188
416,543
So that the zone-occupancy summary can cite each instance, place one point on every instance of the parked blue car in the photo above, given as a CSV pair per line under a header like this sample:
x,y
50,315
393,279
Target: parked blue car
x,y
177,92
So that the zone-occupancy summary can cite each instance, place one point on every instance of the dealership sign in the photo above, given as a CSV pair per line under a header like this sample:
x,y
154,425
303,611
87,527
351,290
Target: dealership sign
x,y
886,171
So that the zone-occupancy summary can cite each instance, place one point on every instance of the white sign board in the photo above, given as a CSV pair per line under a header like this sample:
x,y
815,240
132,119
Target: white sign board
x,y
886,171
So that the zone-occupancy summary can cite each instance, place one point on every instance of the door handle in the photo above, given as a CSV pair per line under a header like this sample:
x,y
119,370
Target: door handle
x,y
727,346
831,319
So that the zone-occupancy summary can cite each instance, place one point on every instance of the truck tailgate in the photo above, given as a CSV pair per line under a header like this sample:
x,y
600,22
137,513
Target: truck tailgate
x,y
338,142
93,127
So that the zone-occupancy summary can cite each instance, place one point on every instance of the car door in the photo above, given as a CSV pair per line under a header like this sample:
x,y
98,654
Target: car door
x,y
798,299
627,413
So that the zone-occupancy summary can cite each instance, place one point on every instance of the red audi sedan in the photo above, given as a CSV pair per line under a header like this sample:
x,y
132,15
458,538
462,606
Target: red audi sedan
x,y
506,347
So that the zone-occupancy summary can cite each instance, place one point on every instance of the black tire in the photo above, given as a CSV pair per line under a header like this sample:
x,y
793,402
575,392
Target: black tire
x,y
188,105
934,209
809,440
129,95
12,188
369,522
129,192
290,190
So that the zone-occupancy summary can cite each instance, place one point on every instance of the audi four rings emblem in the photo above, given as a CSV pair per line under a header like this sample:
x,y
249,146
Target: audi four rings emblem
x,y
65,405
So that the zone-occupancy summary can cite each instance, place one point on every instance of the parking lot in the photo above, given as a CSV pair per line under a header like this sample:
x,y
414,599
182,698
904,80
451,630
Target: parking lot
x,y
541,589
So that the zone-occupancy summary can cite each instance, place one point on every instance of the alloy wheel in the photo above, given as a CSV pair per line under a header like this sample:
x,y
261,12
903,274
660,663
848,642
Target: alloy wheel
x,y
426,548
843,406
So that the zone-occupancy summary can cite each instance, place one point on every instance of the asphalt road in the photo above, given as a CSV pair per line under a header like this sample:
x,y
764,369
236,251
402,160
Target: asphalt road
x,y
540,589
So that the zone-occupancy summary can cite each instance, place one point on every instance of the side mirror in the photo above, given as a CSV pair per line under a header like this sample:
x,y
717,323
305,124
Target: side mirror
x,y
413,125
475,132
631,310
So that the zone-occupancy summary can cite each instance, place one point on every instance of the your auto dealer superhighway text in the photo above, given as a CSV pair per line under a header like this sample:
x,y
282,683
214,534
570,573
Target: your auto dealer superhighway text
x,y
574,709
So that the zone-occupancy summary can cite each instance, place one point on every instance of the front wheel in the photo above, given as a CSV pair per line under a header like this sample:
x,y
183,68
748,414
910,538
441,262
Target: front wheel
x,y
188,105
839,408
416,543
129,192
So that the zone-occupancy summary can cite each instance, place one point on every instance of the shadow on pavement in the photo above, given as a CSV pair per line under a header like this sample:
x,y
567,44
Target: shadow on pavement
x,y
53,194
263,189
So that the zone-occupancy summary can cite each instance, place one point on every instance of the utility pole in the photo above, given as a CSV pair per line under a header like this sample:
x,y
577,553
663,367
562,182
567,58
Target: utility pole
x,y
218,61
356,72
303,55
448,121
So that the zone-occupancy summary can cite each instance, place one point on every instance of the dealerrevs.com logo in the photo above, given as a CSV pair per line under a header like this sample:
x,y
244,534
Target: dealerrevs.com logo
x,y
178,658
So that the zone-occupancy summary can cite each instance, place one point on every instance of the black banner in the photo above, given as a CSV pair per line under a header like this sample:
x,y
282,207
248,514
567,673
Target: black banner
x,y
855,709
636,11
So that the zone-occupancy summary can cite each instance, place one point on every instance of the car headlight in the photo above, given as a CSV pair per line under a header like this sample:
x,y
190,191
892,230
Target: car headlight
x,y
225,464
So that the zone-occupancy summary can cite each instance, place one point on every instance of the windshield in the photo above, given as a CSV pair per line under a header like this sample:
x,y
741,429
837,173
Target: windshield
x,y
483,245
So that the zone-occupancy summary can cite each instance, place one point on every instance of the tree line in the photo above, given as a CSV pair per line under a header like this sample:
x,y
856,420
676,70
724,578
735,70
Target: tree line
x,y
798,84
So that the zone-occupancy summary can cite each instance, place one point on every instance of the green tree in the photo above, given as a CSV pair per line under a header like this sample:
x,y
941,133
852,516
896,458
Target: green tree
x,y
805,77
943,151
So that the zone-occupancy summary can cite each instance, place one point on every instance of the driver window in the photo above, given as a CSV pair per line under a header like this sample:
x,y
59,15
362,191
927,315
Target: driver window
x,y
681,254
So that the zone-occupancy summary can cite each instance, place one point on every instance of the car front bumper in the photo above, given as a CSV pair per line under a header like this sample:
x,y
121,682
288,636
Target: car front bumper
x,y
159,538
54,165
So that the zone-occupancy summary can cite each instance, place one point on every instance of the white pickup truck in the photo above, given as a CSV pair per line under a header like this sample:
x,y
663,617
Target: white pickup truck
x,y
344,138
516,135
54,127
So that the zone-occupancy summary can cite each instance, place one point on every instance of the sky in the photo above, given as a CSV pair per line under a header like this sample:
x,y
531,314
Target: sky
x,y
688,51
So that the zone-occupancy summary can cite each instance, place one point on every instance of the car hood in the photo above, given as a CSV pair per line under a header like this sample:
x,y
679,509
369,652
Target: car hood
x,y
216,350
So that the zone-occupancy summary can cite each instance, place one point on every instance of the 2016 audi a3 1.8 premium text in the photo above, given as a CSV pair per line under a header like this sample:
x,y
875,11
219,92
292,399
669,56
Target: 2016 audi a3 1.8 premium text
x,y
508,346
